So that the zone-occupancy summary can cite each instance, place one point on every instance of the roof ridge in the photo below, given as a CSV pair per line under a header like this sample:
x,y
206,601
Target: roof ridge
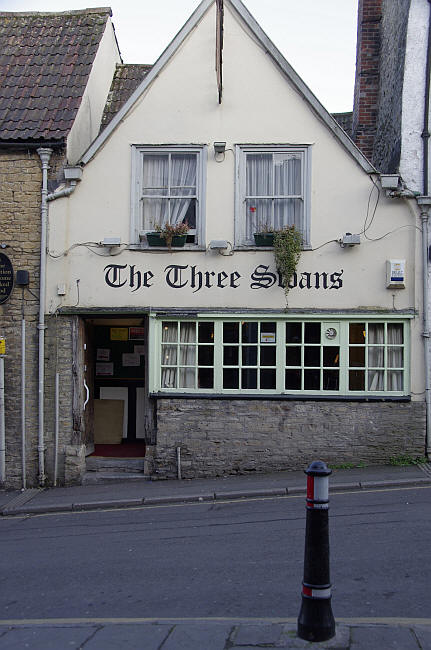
x,y
71,12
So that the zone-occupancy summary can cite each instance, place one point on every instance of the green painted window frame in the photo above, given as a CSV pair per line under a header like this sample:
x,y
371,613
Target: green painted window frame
x,y
333,342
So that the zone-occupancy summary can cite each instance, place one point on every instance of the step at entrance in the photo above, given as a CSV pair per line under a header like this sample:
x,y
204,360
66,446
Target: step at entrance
x,y
101,469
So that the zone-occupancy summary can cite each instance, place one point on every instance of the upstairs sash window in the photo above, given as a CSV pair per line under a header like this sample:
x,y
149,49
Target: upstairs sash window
x,y
168,190
273,191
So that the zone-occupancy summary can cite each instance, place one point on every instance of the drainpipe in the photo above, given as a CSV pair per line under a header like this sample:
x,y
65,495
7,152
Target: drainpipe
x,y
45,155
425,202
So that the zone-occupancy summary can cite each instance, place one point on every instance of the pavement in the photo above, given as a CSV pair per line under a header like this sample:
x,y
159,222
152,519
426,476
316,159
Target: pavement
x,y
208,633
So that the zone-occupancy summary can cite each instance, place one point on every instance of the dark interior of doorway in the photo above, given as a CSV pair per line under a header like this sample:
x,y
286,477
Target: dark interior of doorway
x,y
127,449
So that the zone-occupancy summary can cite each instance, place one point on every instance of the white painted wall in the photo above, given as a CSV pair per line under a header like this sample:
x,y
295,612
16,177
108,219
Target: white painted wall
x,y
411,163
259,106
87,122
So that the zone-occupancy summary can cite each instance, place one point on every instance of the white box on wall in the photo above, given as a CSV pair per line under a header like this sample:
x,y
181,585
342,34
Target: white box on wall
x,y
395,274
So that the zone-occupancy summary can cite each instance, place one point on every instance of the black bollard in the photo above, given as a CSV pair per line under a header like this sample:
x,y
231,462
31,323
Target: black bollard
x,y
316,621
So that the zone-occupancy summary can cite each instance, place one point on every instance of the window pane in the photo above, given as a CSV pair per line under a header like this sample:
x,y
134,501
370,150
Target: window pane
x,y
293,380
395,333
357,333
205,378
268,332
357,380
205,355
206,332
230,355
287,174
357,357
169,355
395,380
169,378
169,331
376,333
155,171
311,355
259,174
258,216
268,379
187,355
288,212
249,332
312,379
293,332
187,377
187,332
268,355
312,333
249,378
293,356
231,378
376,379
231,332
183,170
249,355
331,356
376,357
395,357
331,380
155,212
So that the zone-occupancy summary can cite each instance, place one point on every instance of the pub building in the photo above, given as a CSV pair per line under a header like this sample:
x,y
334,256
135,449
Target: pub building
x,y
191,355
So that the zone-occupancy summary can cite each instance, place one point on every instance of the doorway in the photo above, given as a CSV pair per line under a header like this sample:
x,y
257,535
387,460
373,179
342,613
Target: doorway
x,y
116,372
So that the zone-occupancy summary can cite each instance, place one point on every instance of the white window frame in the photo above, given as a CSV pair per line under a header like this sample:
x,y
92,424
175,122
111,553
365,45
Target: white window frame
x,y
240,193
340,340
137,234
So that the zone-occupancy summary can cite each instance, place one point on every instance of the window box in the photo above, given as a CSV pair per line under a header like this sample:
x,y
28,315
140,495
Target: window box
x,y
264,238
156,239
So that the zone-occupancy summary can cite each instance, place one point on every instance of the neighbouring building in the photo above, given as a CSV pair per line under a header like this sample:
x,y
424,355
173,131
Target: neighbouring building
x,y
391,117
55,74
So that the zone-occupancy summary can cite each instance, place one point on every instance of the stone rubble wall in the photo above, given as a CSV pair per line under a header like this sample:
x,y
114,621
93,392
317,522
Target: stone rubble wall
x,y
219,437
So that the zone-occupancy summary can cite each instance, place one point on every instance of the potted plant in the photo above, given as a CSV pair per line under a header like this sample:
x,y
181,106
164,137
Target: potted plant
x,y
287,251
264,235
168,235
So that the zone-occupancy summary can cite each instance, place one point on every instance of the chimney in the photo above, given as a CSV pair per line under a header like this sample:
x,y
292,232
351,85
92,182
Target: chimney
x,y
366,97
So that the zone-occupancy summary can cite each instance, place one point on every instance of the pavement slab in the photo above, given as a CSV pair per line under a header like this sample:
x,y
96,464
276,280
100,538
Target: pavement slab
x,y
48,638
129,637
198,637
394,638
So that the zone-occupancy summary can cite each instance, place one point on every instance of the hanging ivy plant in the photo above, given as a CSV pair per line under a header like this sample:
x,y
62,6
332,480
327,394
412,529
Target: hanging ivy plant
x,y
287,251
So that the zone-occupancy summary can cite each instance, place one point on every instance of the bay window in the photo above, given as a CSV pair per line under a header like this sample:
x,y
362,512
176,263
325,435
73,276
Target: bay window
x,y
281,356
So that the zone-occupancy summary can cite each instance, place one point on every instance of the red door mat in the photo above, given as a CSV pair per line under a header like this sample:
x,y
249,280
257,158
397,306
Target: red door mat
x,y
125,450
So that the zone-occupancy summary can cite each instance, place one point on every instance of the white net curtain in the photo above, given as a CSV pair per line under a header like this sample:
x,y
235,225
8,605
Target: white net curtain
x,y
178,355
376,356
169,189
274,196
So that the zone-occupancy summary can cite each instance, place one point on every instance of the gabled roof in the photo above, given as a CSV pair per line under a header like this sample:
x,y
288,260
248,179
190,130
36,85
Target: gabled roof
x,y
45,61
268,46
127,78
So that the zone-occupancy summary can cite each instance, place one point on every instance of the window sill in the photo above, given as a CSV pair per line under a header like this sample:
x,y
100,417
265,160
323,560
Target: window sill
x,y
252,247
164,249
285,397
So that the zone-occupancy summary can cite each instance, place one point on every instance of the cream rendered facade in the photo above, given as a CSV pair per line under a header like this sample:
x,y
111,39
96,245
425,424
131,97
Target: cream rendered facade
x,y
264,104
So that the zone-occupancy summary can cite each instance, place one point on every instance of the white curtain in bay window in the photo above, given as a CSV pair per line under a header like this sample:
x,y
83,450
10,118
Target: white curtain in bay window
x,y
169,354
395,356
187,355
376,356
